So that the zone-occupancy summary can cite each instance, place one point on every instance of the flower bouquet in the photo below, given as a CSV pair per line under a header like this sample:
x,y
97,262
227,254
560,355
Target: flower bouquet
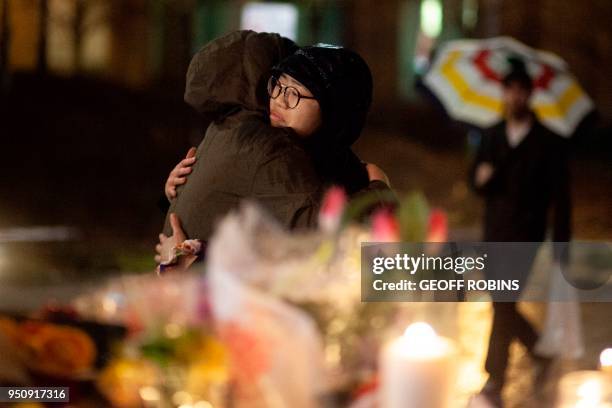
x,y
50,349
172,355
298,296
54,347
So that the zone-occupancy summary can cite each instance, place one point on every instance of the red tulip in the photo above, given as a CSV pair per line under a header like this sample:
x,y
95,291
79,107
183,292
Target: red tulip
x,y
332,208
437,230
385,227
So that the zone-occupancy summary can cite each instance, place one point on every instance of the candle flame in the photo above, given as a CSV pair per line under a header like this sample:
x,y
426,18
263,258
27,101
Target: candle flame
x,y
421,341
589,393
605,358
420,331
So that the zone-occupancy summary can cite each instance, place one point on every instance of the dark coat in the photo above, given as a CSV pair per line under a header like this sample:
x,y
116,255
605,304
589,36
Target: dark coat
x,y
527,181
241,155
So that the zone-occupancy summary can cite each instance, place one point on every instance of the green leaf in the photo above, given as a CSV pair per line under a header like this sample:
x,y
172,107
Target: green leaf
x,y
357,207
413,216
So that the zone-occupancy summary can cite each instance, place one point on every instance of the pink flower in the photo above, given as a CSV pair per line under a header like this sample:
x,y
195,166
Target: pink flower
x,y
332,209
437,230
249,353
385,227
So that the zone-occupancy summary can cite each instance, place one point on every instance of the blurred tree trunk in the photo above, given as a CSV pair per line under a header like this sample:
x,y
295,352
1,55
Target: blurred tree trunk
x,y
77,29
4,46
42,36
178,36
4,38
316,18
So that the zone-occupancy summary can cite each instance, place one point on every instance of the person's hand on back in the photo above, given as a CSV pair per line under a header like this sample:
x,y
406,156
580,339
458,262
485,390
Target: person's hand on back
x,y
376,173
165,248
178,175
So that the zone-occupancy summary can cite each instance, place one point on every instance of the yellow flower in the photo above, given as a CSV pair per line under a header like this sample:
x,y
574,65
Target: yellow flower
x,y
210,365
123,378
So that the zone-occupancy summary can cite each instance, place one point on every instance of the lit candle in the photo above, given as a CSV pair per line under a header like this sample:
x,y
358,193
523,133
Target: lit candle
x,y
605,361
585,389
417,370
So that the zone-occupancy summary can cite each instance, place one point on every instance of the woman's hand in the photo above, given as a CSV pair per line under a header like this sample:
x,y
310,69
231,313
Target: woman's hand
x,y
178,174
166,245
376,173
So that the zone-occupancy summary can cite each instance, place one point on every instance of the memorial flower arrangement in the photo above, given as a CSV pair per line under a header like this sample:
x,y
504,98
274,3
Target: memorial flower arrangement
x,y
300,292
172,354
272,318
137,340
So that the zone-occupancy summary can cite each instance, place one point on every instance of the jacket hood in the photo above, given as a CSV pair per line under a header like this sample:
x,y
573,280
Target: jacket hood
x,y
232,72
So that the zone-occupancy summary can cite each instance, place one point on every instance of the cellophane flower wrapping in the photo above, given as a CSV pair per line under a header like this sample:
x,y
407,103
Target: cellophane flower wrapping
x,y
297,296
255,270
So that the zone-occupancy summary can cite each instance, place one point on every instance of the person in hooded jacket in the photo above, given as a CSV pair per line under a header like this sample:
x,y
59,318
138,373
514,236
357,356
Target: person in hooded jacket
x,y
280,133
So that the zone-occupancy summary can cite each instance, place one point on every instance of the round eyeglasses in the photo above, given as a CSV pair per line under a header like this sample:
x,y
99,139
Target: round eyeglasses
x,y
291,96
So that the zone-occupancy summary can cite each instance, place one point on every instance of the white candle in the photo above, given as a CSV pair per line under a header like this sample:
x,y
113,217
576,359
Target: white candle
x,y
417,370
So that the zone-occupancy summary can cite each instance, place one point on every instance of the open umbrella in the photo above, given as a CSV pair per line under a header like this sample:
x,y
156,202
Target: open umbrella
x,y
466,77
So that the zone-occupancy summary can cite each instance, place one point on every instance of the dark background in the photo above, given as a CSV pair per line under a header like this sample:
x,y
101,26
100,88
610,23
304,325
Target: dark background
x,y
92,117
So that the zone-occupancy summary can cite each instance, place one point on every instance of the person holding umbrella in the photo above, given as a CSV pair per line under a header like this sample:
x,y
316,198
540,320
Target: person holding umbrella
x,y
521,171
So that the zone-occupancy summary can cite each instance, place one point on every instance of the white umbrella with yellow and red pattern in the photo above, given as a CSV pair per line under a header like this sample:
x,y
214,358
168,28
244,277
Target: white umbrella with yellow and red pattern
x,y
466,76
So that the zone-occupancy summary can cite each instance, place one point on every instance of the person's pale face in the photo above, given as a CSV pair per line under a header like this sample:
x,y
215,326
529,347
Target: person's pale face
x,y
516,100
304,119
